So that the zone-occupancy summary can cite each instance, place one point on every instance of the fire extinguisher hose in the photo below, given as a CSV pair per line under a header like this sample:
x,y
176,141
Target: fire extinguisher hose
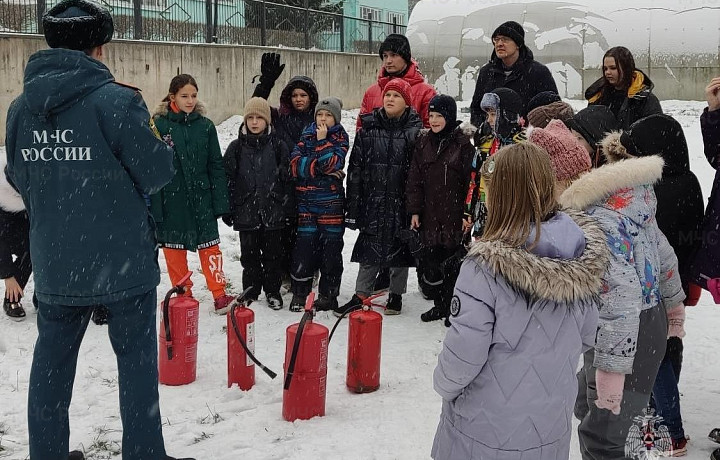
x,y
296,348
166,318
233,319
345,313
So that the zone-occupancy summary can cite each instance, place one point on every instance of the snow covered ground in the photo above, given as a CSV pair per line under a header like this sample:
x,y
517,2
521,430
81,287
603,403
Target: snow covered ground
x,y
207,420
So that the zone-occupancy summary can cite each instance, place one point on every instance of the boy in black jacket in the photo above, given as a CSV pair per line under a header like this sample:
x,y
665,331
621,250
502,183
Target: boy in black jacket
x,y
256,165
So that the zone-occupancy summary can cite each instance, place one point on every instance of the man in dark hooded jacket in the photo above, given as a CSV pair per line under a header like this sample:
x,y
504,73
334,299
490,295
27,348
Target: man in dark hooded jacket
x,y
513,66
83,157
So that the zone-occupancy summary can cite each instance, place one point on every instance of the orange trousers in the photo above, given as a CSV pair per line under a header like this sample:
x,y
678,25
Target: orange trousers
x,y
212,266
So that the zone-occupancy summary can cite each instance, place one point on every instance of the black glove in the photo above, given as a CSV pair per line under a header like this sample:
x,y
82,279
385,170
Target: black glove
x,y
270,68
228,219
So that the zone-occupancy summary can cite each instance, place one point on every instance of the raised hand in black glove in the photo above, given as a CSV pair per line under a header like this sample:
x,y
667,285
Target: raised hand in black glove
x,y
270,68
228,219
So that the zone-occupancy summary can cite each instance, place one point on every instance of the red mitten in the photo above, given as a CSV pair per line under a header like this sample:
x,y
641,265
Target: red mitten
x,y
713,286
693,295
676,321
609,390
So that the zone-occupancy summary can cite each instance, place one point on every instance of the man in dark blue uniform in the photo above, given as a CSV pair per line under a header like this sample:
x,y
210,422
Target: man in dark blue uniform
x,y
82,155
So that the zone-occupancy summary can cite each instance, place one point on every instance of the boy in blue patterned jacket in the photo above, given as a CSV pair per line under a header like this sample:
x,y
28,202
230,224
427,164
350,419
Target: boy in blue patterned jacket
x,y
316,164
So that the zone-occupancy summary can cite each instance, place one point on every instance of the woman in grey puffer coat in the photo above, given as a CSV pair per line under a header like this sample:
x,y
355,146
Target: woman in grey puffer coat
x,y
524,309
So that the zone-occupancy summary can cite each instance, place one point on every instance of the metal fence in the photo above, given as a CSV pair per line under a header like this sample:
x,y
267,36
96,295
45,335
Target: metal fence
x,y
245,22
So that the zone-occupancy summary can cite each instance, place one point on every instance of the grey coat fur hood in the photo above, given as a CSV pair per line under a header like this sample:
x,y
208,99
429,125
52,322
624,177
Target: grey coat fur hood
x,y
520,320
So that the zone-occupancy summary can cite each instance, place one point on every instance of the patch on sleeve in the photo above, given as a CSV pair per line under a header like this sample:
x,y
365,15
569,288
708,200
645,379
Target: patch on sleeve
x,y
455,306
154,129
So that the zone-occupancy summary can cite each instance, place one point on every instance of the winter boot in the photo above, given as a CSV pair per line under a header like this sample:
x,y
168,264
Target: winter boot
x,y
76,455
439,311
100,315
715,435
679,448
394,304
323,303
355,303
297,304
434,314
14,310
382,282
224,303
715,455
275,301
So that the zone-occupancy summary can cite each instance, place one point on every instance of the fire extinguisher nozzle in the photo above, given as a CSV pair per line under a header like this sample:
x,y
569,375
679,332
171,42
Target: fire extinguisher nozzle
x,y
270,373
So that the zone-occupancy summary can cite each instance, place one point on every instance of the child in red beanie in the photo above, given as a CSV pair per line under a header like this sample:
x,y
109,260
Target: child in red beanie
x,y
377,174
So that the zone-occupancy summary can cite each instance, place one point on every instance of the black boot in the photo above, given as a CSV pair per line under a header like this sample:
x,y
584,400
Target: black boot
x,y
439,311
393,305
14,310
100,315
715,435
76,455
434,314
323,303
354,304
715,455
297,304
275,301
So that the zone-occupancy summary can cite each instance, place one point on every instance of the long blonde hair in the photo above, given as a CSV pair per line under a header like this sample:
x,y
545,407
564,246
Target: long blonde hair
x,y
521,192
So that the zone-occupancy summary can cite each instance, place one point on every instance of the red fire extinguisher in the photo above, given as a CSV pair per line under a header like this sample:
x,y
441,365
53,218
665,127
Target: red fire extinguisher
x,y
241,345
306,351
364,347
177,363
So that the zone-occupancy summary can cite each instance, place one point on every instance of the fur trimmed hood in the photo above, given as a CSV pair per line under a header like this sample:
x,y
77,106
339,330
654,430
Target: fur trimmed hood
x,y
600,184
10,199
559,280
162,109
463,132
468,129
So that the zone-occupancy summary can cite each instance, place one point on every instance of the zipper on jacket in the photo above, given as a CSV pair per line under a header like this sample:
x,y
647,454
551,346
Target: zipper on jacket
x,y
445,173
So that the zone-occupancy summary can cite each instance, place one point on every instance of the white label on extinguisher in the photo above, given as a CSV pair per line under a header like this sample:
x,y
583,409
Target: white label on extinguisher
x,y
250,342
323,354
191,353
191,324
322,384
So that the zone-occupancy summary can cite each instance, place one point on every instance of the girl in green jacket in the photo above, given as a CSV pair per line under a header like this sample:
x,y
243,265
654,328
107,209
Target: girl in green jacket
x,y
186,210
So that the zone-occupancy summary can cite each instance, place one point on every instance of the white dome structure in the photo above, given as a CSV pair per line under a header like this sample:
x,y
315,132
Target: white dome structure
x,y
675,42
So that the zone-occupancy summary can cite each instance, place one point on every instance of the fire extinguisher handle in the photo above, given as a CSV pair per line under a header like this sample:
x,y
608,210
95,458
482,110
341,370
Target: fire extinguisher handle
x,y
310,301
184,280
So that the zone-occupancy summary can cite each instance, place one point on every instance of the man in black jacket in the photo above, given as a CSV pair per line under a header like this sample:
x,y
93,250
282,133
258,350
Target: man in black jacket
x,y
83,156
511,66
